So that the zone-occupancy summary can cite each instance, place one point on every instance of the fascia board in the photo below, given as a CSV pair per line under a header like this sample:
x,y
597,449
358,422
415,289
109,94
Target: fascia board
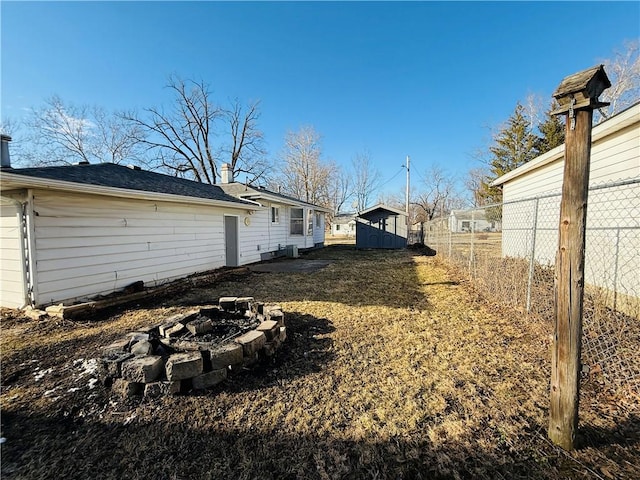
x,y
282,201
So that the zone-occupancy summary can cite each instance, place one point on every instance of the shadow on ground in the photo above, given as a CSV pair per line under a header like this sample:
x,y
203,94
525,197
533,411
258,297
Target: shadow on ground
x,y
347,276
74,447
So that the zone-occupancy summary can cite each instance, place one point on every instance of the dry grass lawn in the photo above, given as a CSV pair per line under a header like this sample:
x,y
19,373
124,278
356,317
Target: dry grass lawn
x,y
393,369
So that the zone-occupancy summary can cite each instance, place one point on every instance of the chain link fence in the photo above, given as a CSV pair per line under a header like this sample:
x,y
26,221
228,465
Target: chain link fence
x,y
509,249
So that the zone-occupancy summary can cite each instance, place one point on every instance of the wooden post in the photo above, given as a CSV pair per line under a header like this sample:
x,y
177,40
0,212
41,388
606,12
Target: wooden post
x,y
579,94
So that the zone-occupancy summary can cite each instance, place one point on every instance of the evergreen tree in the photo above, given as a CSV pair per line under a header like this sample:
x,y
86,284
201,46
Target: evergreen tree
x,y
513,146
552,131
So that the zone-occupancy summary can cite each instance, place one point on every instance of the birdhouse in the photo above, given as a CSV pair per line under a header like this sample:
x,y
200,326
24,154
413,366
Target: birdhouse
x,y
581,90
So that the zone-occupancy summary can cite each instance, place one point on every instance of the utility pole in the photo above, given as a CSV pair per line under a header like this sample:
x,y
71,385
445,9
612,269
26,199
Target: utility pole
x,y
407,196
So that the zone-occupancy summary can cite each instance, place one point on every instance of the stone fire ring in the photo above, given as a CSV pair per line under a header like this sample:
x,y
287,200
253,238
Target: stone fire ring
x,y
193,351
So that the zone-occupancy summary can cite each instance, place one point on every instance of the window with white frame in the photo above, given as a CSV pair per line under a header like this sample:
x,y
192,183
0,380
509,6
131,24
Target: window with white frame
x,y
275,214
297,221
318,220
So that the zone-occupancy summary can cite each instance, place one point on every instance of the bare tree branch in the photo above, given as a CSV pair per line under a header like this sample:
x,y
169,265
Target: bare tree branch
x,y
366,179
624,72
62,133
246,149
304,175
183,137
436,191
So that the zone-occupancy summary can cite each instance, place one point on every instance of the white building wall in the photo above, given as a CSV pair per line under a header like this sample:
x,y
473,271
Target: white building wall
x,y
263,235
278,232
12,265
318,228
88,245
613,214
348,229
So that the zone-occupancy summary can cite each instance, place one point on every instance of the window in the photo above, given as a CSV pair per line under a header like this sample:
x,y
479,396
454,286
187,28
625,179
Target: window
x,y
338,227
297,221
318,221
275,215
310,222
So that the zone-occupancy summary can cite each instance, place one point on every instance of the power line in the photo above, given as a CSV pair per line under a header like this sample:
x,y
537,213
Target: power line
x,y
392,178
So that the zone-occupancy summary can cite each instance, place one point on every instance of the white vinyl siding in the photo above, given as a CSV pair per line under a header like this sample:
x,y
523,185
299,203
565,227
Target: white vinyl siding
x,y
613,219
88,245
12,265
310,218
254,238
318,233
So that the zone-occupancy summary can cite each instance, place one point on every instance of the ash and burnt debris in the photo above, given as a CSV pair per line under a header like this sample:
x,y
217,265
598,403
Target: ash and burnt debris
x,y
195,350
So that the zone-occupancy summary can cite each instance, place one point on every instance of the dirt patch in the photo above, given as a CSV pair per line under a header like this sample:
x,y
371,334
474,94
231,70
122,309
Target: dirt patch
x,y
392,368
297,265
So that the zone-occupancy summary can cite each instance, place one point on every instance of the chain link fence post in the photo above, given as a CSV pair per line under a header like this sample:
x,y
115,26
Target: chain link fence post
x,y
532,257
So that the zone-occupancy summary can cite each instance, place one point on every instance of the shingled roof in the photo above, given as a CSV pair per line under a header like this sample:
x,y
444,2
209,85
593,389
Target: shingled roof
x,y
259,193
111,175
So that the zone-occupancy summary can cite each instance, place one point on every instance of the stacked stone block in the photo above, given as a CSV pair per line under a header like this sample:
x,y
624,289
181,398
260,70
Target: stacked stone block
x,y
183,353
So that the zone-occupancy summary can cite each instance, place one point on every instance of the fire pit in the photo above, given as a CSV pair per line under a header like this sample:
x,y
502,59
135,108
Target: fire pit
x,y
195,350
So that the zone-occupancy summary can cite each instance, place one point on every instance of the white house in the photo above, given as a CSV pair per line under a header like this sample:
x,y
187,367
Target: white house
x,y
287,221
471,220
531,193
73,232
344,224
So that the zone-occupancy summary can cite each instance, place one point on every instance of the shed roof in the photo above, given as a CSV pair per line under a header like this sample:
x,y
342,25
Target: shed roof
x,y
109,178
379,208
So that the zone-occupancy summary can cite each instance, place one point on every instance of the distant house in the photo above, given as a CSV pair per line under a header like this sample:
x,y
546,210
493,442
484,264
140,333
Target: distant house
x,y
73,232
471,220
344,224
381,227
530,215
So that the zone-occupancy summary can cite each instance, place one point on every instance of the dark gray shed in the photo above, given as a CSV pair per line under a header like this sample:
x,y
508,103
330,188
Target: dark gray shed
x,y
381,227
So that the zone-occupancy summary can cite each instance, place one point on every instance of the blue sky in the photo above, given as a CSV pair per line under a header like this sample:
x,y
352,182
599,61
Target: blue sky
x,y
424,79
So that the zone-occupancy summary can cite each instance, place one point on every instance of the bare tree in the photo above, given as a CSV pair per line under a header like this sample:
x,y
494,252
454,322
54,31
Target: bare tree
x,y
186,137
624,72
534,109
366,179
304,175
61,133
246,149
339,189
474,184
183,136
118,141
15,130
433,194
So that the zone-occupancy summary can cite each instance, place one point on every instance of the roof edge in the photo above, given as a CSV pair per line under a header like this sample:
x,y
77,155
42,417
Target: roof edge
x,y
383,206
627,117
62,185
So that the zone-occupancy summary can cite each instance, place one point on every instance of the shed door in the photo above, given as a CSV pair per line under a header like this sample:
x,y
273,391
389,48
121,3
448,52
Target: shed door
x,y
231,241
